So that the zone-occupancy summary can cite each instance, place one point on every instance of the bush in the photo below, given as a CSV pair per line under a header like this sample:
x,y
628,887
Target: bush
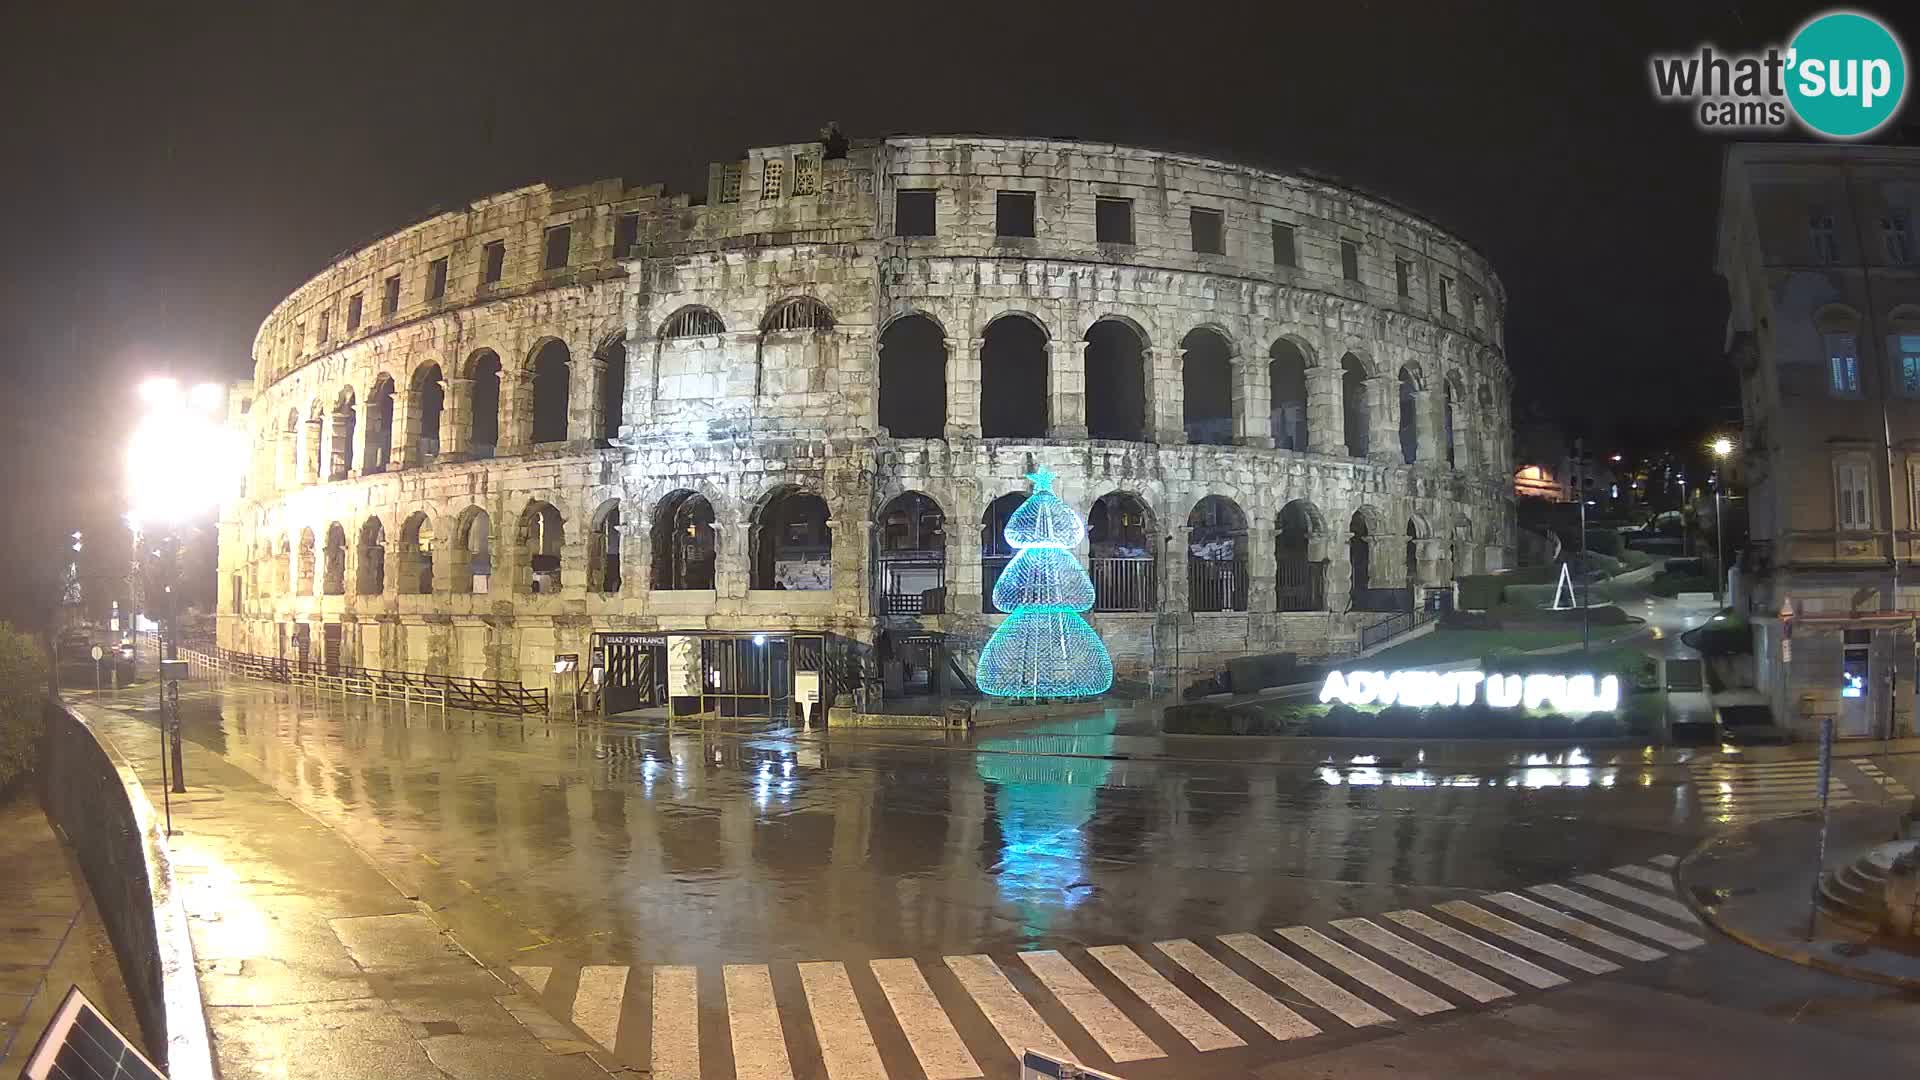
x,y
1605,542
1479,592
1634,560
1668,584
23,694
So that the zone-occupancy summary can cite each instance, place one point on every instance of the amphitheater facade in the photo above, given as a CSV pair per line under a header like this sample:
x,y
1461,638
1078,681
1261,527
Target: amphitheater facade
x,y
783,423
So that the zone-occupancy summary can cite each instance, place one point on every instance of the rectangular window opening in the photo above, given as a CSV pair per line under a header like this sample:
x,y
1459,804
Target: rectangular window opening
x,y
326,327
626,235
1896,229
1853,488
559,247
1350,260
1843,365
496,256
1284,252
806,175
1907,348
1446,295
1013,213
1209,231
1403,277
773,179
390,296
913,213
730,183
1113,221
437,279
353,313
1821,243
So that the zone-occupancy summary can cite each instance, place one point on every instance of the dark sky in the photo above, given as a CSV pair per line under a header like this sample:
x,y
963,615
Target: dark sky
x,y
173,170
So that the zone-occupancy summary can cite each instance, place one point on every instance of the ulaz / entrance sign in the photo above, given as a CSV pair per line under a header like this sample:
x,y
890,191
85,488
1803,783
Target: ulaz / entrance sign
x,y
1568,694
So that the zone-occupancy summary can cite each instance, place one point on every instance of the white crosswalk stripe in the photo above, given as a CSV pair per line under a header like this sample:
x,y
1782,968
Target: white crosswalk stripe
x,y
1665,905
1567,924
1667,861
1625,920
1279,1021
1467,945
1122,1000
1735,792
1118,1036
1186,1017
1305,981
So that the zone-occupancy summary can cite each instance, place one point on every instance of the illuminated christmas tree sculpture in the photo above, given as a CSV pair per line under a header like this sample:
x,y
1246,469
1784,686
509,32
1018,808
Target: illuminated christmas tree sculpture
x,y
1044,649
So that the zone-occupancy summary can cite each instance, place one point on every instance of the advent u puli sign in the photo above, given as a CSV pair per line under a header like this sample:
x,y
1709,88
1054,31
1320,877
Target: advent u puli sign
x,y
1572,695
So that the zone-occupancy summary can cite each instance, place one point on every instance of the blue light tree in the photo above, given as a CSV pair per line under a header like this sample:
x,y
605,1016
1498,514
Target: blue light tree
x,y
1044,649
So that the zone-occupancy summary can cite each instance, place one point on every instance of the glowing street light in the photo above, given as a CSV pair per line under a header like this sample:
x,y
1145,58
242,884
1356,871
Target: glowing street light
x,y
1721,447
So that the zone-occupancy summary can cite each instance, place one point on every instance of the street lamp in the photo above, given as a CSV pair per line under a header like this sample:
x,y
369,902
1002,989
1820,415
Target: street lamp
x,y
182,462
1721,447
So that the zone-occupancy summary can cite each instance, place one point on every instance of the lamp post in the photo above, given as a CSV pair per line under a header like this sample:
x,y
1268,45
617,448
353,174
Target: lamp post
x,y
1721,447
180,464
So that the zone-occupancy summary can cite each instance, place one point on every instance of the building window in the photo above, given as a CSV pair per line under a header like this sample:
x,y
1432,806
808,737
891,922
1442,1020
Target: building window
x,y
1209,231
773,179
1896,229
390,296
1284,253
353,313
1907,348
495,254
1853,491
626,235
1113,221
1013,213
1820,239
730,183
806,176
437,279
326,327
1479,310
559,247
1403,277
1843,365
1446,295
299,339
1350,260
913,213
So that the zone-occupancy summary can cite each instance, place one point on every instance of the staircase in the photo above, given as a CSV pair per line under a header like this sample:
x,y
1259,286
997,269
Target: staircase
x,y
1855,894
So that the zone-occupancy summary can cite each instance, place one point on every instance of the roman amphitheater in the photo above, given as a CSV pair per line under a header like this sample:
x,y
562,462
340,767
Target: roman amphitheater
x,y
778,428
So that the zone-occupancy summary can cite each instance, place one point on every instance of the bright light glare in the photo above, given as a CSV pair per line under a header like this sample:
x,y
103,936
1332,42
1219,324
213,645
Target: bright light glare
x,y
180,461
1722,446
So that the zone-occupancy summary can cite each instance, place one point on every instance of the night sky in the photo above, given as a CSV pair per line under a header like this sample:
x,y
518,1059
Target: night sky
x,y
172,171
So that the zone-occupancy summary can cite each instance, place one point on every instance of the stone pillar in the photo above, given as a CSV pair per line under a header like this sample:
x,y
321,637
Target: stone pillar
x,y
289,460
963,388
1166,397
636,548
1263,566
584,376
1326,416
315,467
965,586
1339,576
516,410
573,560
405,435
1429,432
456,419
1383,417
1252,403
1067,390
731,574
1174,597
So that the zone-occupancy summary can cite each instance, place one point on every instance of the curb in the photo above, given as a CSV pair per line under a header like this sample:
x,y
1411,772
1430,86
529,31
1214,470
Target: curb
x,y
1804,957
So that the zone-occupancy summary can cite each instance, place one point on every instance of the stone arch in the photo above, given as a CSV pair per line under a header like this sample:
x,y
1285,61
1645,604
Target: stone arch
x,y
428,383
791,328
684,541
603,550
370,559
549,368
1013,377
333,570
470,548
1300,553
483,403
541,540
1206,382
995,552
1216,555
1123,545
797,314
1417,531
416,555
1410,387
1117,362
913,377
612,355
910,555
790,541
304,568
692,320
1288,361
1355,409
345,417
1366,531
378,452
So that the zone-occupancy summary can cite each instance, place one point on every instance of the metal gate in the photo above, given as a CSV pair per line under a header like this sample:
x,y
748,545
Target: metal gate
x,y
333,646
635,670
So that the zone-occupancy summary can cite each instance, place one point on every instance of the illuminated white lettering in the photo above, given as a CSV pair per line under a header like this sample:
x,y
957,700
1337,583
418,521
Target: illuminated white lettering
x,y
1419,688
1503,691
1468,683
1335,688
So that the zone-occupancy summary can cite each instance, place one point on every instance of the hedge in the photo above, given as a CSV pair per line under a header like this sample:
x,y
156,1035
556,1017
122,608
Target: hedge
x,y
23,694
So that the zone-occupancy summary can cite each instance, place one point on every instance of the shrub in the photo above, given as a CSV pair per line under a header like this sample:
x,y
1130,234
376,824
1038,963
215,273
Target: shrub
x,y
1669,584
1634,560
23,694
1479,592
1605,542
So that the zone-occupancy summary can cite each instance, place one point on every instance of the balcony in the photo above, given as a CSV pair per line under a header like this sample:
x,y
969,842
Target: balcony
x,y
910,583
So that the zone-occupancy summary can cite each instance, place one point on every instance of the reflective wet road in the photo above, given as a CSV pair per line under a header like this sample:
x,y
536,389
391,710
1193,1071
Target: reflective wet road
x,y
544,843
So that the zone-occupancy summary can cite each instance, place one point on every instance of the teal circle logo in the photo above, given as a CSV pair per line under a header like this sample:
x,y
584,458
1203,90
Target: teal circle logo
x,y
1848,74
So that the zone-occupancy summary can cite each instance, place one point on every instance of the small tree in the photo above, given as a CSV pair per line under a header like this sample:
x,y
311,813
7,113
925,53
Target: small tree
x,y
23,694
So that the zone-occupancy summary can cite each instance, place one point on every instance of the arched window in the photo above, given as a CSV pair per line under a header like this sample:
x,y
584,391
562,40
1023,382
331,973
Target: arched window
x,y
791,542
416,555
1216,556
603,550
1299,540
429,398
334,572
315,435
910,556
550,394
1353,405
483,408
340,441
1287,382
372,559
796,314
913,378
1122,554
683,542
379,426
1116,382
692,321
1206,381
1409,417
613,388
995,552
472,553
1450,432
541,539
303,574
1013,379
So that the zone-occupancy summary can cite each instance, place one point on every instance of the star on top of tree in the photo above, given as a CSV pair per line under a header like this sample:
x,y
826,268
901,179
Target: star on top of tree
x,y
1042,479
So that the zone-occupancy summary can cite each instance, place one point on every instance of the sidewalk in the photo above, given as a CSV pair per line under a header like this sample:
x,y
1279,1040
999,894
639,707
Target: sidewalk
x,y
310,961
51,937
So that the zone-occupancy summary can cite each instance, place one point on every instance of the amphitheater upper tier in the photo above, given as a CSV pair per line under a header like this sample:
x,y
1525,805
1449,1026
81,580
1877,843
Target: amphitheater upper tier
x,y
588,420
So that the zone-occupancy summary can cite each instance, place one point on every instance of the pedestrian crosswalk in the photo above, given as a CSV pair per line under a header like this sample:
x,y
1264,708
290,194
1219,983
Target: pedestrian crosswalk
x,y
1109,1006
1731,792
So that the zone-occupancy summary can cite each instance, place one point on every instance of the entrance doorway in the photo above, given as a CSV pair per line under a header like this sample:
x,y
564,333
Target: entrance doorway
x,y
1858,691
636,670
